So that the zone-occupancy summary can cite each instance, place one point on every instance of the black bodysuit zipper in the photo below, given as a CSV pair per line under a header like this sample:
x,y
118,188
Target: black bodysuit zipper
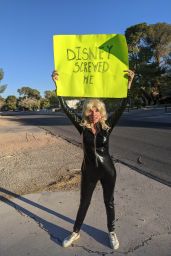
x,y
95,150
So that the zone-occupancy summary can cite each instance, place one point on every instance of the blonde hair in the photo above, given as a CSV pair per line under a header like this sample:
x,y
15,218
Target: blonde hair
x,y
90,104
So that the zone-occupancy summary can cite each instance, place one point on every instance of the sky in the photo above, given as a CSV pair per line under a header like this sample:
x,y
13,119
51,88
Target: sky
x,y
27,28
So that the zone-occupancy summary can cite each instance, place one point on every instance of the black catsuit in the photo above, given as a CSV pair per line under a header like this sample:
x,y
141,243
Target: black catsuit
x,y
97,164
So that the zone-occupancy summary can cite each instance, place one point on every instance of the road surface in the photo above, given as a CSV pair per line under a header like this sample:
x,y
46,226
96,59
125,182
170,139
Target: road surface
x,y
141,139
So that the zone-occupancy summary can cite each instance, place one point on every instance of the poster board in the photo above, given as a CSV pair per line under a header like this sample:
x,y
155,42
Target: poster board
x,y
91,65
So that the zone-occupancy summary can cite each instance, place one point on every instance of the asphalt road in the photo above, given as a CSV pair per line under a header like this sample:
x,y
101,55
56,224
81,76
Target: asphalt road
x,y
141,139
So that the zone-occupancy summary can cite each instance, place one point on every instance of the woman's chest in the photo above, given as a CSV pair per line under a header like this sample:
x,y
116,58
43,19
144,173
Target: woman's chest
x,y
99,139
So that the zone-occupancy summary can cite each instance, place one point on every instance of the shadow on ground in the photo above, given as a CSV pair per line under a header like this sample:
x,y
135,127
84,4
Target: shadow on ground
x,y
56,232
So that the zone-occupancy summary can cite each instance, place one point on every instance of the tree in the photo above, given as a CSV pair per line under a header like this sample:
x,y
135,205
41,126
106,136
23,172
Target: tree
x,y
48,94
52,98
159,39
24,91
149,47
2,102
29,104
34,93
44,103
11,102
27,92
2,87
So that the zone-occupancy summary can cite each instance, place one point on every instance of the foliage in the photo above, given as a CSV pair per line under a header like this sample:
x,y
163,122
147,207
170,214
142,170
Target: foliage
x,y
28,92
11,102
48,94
52,98
159,40
44,103
150,56
2,102
29,104
2,87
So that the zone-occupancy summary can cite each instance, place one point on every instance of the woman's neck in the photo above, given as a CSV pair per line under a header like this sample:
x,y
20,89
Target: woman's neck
x,y
94,127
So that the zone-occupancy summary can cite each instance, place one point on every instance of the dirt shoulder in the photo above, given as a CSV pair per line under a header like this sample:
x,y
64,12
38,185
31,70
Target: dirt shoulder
x,y
32,159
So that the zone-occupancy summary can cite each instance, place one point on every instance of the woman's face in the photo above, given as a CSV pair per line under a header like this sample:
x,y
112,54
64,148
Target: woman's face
x,y
94,115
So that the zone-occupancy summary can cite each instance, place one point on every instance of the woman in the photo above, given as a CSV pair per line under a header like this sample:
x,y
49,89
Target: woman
x,y
97,164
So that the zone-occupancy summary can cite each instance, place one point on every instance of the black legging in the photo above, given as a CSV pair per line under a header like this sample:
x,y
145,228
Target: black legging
x,y
88,184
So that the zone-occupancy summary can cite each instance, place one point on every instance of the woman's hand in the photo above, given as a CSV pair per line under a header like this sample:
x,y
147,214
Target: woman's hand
x,y
55,76
130,75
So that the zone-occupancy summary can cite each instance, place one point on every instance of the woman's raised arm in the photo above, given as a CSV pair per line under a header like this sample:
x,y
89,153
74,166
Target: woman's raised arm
x,y
75,119
114,117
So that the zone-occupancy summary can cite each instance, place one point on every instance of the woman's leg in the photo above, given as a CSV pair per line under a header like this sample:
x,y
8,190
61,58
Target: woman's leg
x,y
87,187
108,184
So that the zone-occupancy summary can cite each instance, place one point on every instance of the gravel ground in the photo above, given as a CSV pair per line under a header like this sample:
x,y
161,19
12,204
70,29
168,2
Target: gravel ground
x,y
32,159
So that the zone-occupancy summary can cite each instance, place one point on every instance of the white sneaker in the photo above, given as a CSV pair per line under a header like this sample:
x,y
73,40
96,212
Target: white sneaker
x,y
114,243
70,239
